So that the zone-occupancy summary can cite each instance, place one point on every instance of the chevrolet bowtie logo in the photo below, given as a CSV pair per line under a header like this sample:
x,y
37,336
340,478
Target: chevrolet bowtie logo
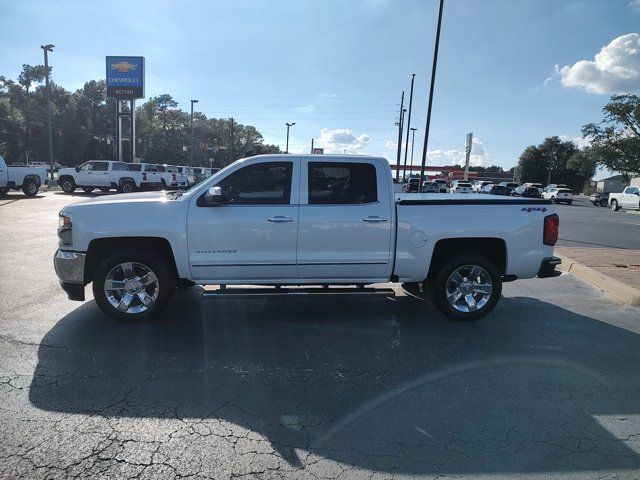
x,y
123,66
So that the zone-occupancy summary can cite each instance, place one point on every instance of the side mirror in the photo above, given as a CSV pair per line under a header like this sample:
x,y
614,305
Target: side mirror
x,y
215,196
77,168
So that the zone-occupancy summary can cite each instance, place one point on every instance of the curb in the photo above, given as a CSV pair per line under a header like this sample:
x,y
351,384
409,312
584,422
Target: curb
x,y
613,287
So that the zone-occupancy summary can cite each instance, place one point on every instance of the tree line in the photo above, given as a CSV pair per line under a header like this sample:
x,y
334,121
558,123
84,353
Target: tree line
x,y
613,143
84,127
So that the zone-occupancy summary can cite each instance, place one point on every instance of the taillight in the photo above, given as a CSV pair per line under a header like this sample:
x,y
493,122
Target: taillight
x,y
551,226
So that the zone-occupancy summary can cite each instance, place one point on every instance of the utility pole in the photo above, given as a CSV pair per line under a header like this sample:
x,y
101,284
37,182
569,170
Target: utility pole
x,y
191,157
406,145
48,48
400,119
289,125
231,152
433,80
311,146
551,163
413,142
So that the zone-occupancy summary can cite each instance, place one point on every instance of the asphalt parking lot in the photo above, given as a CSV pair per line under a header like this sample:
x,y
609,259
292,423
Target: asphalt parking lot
x,y
547,386
586,226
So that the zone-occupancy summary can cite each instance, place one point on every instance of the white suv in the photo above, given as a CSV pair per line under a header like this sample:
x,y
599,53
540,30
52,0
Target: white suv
x,y
559,195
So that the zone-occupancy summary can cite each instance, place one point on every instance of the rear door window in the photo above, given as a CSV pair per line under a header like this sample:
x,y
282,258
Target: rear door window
x,y
337,183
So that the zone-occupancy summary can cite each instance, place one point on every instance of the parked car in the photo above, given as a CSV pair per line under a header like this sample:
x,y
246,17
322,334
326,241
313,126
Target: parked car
x,y
628,199
188,172
430,187
252,224
511,186
411,185
29,179
528,192
170,176
478,185
461,187
107,174
442,184
600,199
495,190
535,185
559,195
201,173
551,186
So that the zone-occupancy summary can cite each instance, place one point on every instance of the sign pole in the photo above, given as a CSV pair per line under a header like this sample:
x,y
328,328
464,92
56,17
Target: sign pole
x,y
119,129
133,130
467,149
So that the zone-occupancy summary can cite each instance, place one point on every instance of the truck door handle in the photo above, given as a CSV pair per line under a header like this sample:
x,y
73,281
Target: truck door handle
x,y
374,219
279,219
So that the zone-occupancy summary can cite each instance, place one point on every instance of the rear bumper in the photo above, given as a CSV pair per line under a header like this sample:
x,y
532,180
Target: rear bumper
x,y
69,268
548,267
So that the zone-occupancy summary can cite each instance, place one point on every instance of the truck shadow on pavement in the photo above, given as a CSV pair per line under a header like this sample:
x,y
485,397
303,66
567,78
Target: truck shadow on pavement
x,y
383,384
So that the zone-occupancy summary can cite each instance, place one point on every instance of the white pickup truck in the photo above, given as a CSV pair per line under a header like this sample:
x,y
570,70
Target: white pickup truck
x,y
107,174
629,199
283,220
29,179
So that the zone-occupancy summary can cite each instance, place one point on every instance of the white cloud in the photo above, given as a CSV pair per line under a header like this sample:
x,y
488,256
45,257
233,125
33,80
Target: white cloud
x,y
338,140
635,4
580,141
615,69
478,158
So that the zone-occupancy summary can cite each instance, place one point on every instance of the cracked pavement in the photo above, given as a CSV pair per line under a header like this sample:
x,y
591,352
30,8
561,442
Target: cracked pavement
x,y
545,387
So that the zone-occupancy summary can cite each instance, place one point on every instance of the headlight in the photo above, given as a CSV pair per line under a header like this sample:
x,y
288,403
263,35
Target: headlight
x,y
65,229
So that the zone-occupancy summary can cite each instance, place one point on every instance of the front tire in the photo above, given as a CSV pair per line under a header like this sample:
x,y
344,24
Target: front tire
x,y
614,205
127,187
30,188
133,286
68,185
466,287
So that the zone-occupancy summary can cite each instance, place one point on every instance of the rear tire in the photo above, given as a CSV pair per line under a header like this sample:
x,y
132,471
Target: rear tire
x,y
147,285
466,287
30,188
68,185
4,191
614,205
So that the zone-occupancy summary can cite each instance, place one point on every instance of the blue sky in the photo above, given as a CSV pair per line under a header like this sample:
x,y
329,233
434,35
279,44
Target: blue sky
x,y
337,68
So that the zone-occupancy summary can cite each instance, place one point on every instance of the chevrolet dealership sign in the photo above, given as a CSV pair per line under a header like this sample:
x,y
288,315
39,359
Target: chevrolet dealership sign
x,y
125,77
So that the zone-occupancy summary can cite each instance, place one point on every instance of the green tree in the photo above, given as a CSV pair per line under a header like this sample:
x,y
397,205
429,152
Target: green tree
x,y
616,139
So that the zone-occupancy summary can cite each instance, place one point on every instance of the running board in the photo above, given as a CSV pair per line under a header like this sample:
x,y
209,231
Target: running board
x,y
264,292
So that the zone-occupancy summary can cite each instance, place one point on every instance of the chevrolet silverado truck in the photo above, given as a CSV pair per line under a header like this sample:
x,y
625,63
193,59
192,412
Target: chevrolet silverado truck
x,y
27,179
107,174
628,199
288,222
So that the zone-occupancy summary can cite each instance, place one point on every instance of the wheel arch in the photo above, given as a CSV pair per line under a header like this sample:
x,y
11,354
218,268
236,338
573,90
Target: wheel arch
x,y
494,249
32,177
100,248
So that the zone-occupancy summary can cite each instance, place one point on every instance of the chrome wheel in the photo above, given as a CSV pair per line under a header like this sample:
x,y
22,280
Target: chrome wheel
x,y
469,288
131,287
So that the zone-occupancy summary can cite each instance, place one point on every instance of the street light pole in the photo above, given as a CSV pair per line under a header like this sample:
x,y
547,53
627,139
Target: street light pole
x,y
431,88
191,157
288,126
48,48
399,124
404,172
413,142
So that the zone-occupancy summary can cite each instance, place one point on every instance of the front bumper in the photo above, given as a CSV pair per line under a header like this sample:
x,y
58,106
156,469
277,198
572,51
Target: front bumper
x,y
548,267
69,267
